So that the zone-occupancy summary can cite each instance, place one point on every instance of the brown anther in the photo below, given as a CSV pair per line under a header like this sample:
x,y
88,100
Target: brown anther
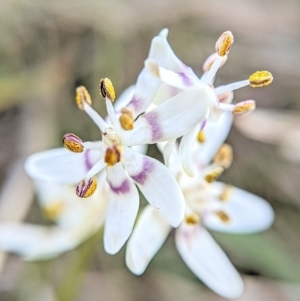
x,y
192,219
112,155
52,210
82,96
226,193
224,43
86,188
73,143
201,137
224,156
224,217
244,108
126,119
107,89
260,79
214,175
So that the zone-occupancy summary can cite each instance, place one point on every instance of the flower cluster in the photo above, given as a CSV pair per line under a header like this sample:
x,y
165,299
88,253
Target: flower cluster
x,y
169,101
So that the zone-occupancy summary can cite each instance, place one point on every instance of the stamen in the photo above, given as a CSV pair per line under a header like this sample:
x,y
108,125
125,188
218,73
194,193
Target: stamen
x,y
107,89
210,60
260,79
224,43
214,175
112,155
201,137
224,156
226,193
126,119
192,219
82,96
73,143
86,188
244,108
224,217
226,97
53,210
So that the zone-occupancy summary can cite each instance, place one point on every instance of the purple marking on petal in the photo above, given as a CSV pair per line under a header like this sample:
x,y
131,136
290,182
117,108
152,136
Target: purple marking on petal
x,y
203,124
185,79
152,119
88,164
135,102
141,177
123,188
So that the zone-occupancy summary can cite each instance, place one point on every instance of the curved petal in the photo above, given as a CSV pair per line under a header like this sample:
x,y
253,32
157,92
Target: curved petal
x,y
215,133
173,118
207,261
124,98
157,184
60,165
35,242
123,205
147,238
248,213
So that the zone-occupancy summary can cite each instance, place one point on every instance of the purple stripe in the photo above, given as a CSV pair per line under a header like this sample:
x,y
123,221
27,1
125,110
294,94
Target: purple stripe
x,y
136,103
123,188
185,79
156,131
203,124
88,164
148,167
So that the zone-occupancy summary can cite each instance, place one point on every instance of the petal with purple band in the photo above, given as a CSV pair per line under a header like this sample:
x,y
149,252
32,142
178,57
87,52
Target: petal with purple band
x,y
248,213
157,184
147,238
123,204
207,261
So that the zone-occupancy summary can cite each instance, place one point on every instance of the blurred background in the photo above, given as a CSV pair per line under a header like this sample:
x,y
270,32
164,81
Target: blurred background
x,y
49,48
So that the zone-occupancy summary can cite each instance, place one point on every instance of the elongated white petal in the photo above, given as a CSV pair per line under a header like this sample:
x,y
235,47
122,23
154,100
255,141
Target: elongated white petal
x,y
207,261
26,239
157,184
147,238
173,118
124,98
215,134
248,213
60,165
168,148
123,206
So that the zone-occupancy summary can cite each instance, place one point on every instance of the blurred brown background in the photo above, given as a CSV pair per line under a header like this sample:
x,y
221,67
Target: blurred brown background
x,y
48,48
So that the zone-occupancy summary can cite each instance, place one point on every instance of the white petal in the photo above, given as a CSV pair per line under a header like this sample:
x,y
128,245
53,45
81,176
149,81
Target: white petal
x,y
215,135
157,184
168,149
147,238
60,165
123,205
248,213
35,242
173,118
124,98
208,261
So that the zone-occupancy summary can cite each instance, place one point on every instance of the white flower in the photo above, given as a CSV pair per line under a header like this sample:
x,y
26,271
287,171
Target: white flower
x,y
75,220
214,205
196,98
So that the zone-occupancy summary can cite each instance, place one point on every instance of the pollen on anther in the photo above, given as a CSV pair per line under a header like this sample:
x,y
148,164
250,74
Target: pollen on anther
x,y
52,210
260,79
244,108
226,193
224,156
86,188
82,96
224,43
112,155
107,89
214,175
126,119
201,137
192,219
73,143
223,216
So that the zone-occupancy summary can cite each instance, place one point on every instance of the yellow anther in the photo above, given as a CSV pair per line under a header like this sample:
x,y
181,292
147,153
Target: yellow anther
x,y
214,175
224,156
192,219
73,143
112,155
52,210
126,119
223,216
260,79
107,89
201,137
82,96
224,43
243,108
86,188
226,193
